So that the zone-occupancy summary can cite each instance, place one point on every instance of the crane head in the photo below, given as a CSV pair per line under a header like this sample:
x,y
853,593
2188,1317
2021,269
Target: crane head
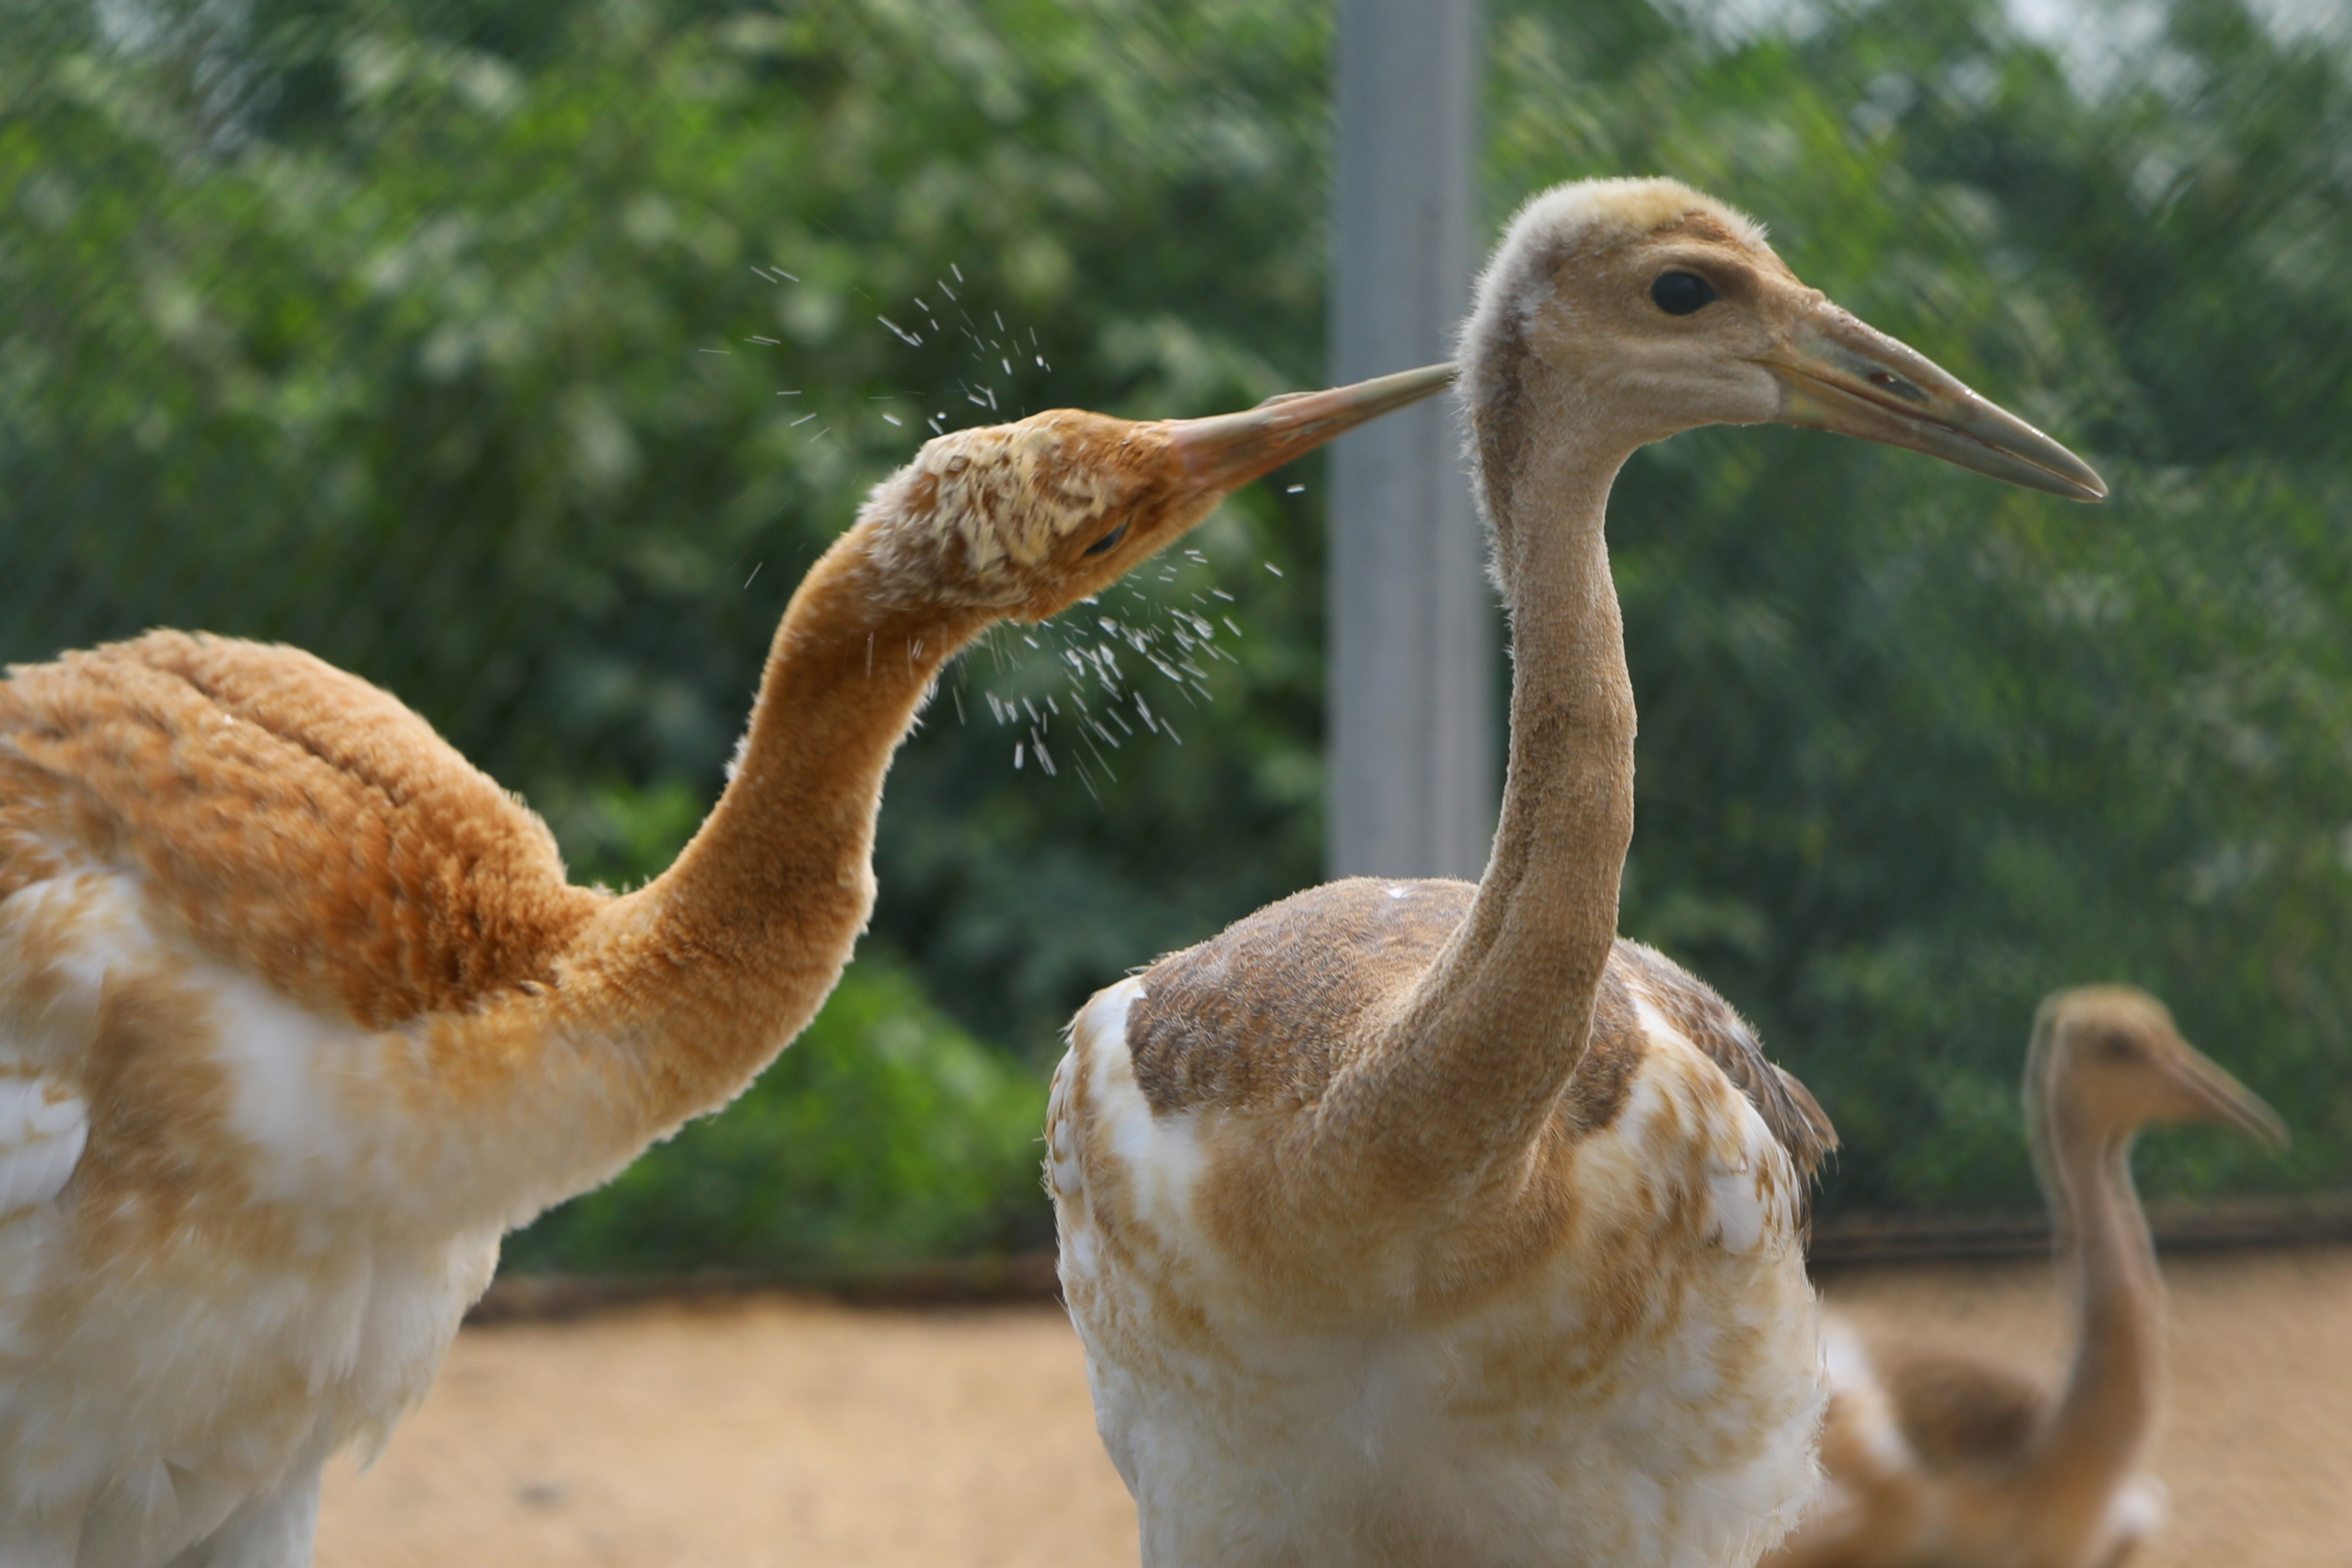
x,y
2110,1056
1026,519
1641,308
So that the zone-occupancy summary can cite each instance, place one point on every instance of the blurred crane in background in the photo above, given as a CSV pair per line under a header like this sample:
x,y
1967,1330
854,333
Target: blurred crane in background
x,y
1412,1222
1937,1459
298,1013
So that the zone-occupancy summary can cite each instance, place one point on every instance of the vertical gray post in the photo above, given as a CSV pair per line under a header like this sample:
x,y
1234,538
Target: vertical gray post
x,y
1410,741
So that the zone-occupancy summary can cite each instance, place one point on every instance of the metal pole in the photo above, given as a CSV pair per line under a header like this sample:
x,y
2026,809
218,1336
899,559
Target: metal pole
x,y
1412,741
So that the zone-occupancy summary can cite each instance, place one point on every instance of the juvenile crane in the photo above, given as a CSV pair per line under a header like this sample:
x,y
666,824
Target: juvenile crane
x,y
1935,1460
299,1014
1413,1222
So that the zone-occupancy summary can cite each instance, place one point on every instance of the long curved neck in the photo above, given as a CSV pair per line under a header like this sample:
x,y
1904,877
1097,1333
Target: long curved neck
x,y
2101,1424
715,965
672,997
1492,1032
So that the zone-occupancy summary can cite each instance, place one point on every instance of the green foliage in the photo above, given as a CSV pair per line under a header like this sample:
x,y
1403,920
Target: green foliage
x,y
1916,748
466,380
885,1135
427,334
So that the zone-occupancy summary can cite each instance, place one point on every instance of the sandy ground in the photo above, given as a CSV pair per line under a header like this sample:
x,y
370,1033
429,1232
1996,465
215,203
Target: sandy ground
x,y
775,1432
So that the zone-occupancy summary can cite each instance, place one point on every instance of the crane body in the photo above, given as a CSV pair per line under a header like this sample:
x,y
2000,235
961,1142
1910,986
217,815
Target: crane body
x,y
1421,1223
299,1012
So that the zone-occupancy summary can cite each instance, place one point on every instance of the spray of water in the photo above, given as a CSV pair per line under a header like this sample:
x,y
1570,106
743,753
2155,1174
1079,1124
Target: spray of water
x,y
1072,690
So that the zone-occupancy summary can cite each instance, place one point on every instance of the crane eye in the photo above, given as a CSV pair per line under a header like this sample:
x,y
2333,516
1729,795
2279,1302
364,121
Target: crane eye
x,y
1680,293
1107,541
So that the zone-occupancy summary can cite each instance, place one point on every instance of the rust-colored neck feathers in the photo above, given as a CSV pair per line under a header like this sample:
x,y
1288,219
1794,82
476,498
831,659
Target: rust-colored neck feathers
x,y
624,1015
729,954
724,958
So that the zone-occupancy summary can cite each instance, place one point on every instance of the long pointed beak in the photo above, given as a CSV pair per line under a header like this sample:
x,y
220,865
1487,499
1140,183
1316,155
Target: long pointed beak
x,y
1227,451
1840,373
2217,1096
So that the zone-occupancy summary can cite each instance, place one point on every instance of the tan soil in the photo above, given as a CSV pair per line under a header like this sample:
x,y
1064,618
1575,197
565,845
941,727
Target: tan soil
x,y
776,1432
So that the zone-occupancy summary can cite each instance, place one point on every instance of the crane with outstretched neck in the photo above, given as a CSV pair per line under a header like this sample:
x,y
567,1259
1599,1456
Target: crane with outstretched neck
x,y
1419,1222
299,1012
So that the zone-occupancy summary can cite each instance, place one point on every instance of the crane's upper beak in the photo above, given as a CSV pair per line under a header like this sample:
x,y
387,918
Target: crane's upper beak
x,y
2213,1094
1839,373
1227,451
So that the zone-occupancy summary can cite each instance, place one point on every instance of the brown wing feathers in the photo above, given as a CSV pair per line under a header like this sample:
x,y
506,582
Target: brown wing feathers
x,y
303,824
1708,1021
1261,1013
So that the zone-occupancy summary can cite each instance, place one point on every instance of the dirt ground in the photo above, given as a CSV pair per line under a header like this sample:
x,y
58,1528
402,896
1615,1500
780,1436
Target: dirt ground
x,y
779,1431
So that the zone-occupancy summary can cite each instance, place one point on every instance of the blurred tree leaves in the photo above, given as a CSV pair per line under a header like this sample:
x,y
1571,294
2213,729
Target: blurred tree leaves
x,y
452,340
528,379
1916,748
886,1135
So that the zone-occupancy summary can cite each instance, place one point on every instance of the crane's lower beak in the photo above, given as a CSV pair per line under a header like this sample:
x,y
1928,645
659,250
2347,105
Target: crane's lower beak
x,y
1227,451
1840,373
2212,1094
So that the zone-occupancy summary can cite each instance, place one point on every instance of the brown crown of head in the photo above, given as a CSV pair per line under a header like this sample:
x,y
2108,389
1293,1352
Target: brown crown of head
x,y
1023,519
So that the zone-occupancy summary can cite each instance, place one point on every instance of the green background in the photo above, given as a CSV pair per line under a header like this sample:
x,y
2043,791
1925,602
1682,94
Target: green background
x,y
451,341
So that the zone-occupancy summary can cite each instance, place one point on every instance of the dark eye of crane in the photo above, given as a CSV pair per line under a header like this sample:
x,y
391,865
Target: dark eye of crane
x,y
1107,541
1680,293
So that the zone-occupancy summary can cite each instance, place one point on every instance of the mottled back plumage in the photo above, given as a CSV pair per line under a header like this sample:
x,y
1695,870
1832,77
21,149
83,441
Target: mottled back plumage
x,y
1413,1223
1297,980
